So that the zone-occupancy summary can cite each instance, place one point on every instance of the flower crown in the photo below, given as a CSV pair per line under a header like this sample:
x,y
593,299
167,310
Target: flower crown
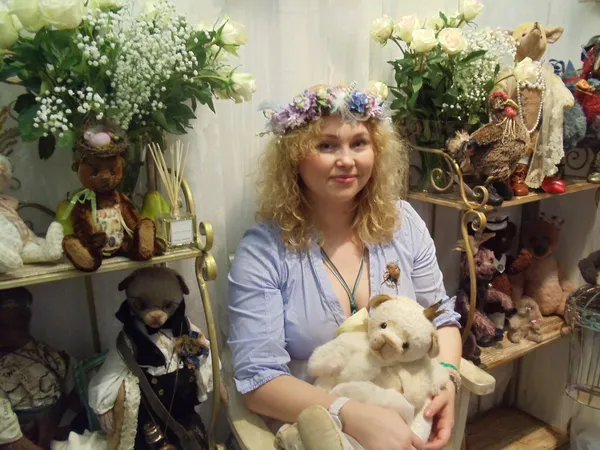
x,y
311,105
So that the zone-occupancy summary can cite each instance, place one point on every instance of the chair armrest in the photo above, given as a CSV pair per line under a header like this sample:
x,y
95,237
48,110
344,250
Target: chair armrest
x,y
248,428
476,380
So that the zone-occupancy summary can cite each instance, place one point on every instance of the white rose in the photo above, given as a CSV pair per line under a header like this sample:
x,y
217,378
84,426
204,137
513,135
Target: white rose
x,y
243,86
28,13
381,29
378,88
470,8
434,23
8,32
452,40
149,10
423,41
105,4
62,14
233,33
405,26
526,71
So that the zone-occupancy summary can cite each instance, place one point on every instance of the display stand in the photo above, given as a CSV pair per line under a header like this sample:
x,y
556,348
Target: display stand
x,y
506,427
205,268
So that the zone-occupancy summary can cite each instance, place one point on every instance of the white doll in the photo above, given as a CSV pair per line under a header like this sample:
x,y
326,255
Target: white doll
x,y
18,244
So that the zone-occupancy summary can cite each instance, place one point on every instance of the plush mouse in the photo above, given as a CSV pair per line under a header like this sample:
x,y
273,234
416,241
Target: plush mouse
x,y
543,280
105,221
18,244
392,360
589,267
172,353
542,97
526,323
36,380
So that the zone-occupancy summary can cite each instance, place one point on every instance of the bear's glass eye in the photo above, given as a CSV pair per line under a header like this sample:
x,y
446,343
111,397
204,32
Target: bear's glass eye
x,y
168,304
383,325
140,304
405,346
95,174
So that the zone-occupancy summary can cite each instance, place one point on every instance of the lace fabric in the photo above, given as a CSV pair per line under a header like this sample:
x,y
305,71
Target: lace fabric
x,y
550,151
132,404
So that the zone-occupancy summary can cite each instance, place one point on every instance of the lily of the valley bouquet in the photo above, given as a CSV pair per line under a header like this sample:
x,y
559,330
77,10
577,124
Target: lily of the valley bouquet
x,y
141,69
446,70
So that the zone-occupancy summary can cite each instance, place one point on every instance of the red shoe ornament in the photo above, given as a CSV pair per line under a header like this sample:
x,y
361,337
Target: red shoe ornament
x,y
554,185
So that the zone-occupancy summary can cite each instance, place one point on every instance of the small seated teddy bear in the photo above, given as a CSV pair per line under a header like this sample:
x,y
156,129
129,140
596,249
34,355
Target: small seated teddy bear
x,y
526,323
18,244
171,352
391,362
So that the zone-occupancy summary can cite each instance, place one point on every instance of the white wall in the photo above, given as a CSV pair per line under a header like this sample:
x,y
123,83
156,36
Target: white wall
x,y
292,44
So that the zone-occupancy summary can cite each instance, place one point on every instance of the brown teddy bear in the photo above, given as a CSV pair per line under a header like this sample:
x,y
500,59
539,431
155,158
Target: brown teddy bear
x,y
105,221
542,97
36,381
484,332
543,280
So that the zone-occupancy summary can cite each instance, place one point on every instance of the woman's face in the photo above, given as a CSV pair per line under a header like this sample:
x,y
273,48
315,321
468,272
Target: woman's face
x,y
343,163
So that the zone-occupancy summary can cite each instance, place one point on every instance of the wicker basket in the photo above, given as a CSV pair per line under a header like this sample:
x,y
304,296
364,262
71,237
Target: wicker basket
x,y
583,315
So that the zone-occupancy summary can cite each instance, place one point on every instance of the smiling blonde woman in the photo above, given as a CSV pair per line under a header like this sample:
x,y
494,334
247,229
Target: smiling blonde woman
x,y
332,228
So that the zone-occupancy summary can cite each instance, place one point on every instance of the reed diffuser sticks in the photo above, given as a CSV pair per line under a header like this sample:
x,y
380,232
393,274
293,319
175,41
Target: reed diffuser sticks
x,y
171,177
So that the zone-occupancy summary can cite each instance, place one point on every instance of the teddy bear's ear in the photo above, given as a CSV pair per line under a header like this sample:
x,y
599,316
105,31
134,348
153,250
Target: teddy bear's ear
x,y
433,311
434,350
182,284
125,283
378,300
553,34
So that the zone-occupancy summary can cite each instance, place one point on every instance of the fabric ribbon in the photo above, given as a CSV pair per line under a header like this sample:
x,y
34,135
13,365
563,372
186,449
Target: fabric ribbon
x,y
82,197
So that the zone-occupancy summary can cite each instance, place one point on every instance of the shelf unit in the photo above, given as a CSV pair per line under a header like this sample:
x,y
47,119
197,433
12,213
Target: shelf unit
x,y
205,270
501,428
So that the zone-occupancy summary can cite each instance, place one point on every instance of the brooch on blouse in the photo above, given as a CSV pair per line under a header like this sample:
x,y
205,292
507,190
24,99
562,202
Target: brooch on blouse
x,y
192,347
391,276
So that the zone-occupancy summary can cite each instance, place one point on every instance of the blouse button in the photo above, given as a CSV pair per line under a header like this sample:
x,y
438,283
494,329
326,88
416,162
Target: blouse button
x,y
154,381
161,392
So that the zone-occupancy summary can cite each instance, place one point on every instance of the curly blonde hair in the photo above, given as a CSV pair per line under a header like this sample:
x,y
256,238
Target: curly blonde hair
x,y
283,200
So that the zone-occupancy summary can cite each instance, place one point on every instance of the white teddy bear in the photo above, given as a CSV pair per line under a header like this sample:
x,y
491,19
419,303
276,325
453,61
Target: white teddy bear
x,y
385,356
18,244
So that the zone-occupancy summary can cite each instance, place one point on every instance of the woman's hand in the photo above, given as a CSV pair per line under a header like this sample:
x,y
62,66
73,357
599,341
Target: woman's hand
x,y
377,428
441,409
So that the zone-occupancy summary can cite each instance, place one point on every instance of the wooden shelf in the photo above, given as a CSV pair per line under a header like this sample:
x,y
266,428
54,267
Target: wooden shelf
x,y
505,351
511,429
43,273
453,199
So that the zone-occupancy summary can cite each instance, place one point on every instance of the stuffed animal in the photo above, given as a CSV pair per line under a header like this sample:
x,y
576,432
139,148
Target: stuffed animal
x,y
543,280
589,267
484,332
507,266
18,244
36,380
526,323
105,221
494,149
172,353
389,360
542,98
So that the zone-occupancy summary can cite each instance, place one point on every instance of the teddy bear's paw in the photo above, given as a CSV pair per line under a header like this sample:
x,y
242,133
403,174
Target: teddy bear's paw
x,y
81,257
9,259
144,240
54,238
319,431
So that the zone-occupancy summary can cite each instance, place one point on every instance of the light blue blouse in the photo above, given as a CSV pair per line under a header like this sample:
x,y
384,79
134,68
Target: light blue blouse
x,y
282,304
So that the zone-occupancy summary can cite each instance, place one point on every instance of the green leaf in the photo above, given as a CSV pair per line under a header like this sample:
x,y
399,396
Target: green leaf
x,y
444,18
46,146
26,129
472,56
180,111
473,120
169,125
67,140
417,84
23,102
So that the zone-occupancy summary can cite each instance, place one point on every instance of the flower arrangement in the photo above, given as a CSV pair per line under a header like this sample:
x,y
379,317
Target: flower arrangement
x,y
90,62
310,105
444,76
446,71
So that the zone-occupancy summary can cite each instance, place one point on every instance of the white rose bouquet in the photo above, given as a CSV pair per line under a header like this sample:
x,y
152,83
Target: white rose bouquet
x,y
85,62
445,73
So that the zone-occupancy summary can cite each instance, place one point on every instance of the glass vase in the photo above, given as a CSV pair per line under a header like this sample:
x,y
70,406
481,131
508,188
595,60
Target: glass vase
x,y
178,229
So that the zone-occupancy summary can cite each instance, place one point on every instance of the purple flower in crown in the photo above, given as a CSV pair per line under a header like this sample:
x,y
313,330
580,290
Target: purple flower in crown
x,y
358,102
